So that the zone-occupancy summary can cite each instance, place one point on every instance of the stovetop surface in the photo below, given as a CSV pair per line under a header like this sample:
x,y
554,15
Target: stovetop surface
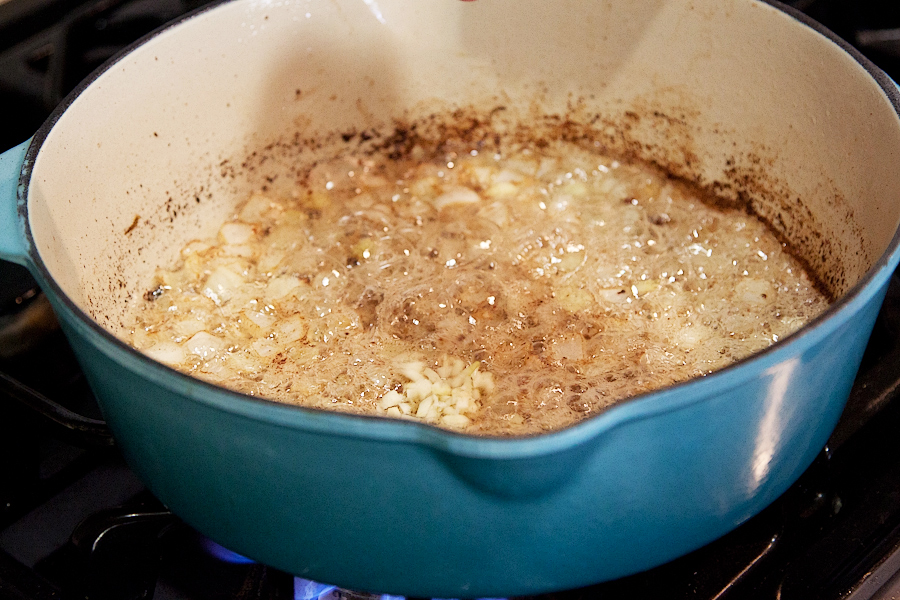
x,y
75,522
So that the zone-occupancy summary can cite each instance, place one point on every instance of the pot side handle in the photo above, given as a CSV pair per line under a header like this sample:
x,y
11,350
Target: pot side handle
x,y
67,425
12,231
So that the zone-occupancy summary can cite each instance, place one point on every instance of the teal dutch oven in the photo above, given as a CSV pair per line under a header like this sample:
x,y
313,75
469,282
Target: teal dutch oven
x,y
158,145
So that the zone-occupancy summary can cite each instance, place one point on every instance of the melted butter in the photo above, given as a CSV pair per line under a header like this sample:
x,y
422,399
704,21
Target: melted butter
x,y
572,281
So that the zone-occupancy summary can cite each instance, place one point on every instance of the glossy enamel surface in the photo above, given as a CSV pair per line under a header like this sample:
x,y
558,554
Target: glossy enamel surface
x,y
719,93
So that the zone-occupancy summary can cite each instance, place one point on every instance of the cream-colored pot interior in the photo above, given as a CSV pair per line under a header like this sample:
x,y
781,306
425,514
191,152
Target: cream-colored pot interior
x,y
738,96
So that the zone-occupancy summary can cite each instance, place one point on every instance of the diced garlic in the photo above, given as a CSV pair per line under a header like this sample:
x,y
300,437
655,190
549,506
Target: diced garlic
x,y
412,370
391,398
471,368
431,395
463,402
425,406
441,388
431,374
418,389
456,421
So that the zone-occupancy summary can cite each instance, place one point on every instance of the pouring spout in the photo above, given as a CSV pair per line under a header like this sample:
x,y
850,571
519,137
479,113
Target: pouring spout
x,y
521,478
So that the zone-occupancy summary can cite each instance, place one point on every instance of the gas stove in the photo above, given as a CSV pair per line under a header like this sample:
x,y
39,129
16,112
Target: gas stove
x,y
75,522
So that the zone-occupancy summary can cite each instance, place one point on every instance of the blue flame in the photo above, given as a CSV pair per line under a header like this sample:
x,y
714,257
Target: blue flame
x,y
225,554
304,589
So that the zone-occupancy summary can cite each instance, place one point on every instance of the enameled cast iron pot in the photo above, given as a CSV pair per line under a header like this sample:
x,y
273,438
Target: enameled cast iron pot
x,y
745,97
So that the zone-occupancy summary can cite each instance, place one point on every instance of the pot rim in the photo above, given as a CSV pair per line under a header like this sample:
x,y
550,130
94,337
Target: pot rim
x,y
374,427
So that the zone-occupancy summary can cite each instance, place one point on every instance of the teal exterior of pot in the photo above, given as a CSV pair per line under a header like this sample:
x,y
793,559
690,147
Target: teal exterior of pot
x,y
389,506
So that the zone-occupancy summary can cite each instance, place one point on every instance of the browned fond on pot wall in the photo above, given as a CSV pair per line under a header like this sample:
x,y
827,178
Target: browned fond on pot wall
x,y
245,95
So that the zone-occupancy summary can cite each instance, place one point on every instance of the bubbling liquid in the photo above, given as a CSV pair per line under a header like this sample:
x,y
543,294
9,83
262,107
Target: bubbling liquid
x,y
494,293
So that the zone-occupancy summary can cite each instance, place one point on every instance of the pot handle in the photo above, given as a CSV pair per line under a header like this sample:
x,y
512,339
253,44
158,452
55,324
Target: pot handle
x,y
72,427
12,231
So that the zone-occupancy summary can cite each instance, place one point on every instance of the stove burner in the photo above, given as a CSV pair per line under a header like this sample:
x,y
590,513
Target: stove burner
x,y
127,552
304,589
120,554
